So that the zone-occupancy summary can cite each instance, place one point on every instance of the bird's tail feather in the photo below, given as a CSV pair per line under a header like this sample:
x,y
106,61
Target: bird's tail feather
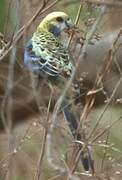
x,y
70,117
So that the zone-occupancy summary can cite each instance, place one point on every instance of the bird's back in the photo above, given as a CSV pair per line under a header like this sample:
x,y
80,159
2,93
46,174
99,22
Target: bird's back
x,y
45,53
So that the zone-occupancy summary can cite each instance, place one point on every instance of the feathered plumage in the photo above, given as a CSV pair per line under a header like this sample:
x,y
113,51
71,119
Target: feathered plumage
x,y
45,54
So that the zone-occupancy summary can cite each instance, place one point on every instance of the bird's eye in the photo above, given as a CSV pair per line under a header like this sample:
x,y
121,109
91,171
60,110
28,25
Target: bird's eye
x,y
59,19
68,18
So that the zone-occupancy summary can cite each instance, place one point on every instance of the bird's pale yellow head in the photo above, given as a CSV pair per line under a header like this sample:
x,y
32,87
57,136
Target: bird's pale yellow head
x,y
55,22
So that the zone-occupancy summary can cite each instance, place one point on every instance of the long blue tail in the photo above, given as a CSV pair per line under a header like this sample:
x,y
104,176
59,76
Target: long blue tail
x,y
86,158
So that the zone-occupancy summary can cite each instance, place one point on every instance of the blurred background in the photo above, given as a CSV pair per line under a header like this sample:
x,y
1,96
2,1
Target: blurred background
x,y
23,113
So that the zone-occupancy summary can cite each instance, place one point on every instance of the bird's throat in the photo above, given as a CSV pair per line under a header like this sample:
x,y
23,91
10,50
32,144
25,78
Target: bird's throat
x,y
55,31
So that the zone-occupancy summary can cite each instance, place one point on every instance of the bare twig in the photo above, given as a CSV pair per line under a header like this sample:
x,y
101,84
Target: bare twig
x,y
111,51
76,22
41,157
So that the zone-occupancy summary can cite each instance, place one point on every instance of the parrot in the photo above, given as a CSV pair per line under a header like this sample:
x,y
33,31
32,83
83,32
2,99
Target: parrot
x,y
47,56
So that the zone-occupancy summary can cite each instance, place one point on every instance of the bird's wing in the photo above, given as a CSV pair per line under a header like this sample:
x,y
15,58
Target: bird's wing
x,y
48,54
38,58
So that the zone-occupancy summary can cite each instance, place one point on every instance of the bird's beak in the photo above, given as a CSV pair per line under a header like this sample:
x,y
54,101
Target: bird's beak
x,y
69,24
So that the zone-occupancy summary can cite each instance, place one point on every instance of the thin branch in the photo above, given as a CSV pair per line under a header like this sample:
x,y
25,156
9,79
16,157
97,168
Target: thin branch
x,y
41,157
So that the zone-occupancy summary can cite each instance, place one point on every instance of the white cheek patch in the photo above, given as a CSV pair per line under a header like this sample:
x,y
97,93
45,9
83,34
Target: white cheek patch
x,y
62,26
